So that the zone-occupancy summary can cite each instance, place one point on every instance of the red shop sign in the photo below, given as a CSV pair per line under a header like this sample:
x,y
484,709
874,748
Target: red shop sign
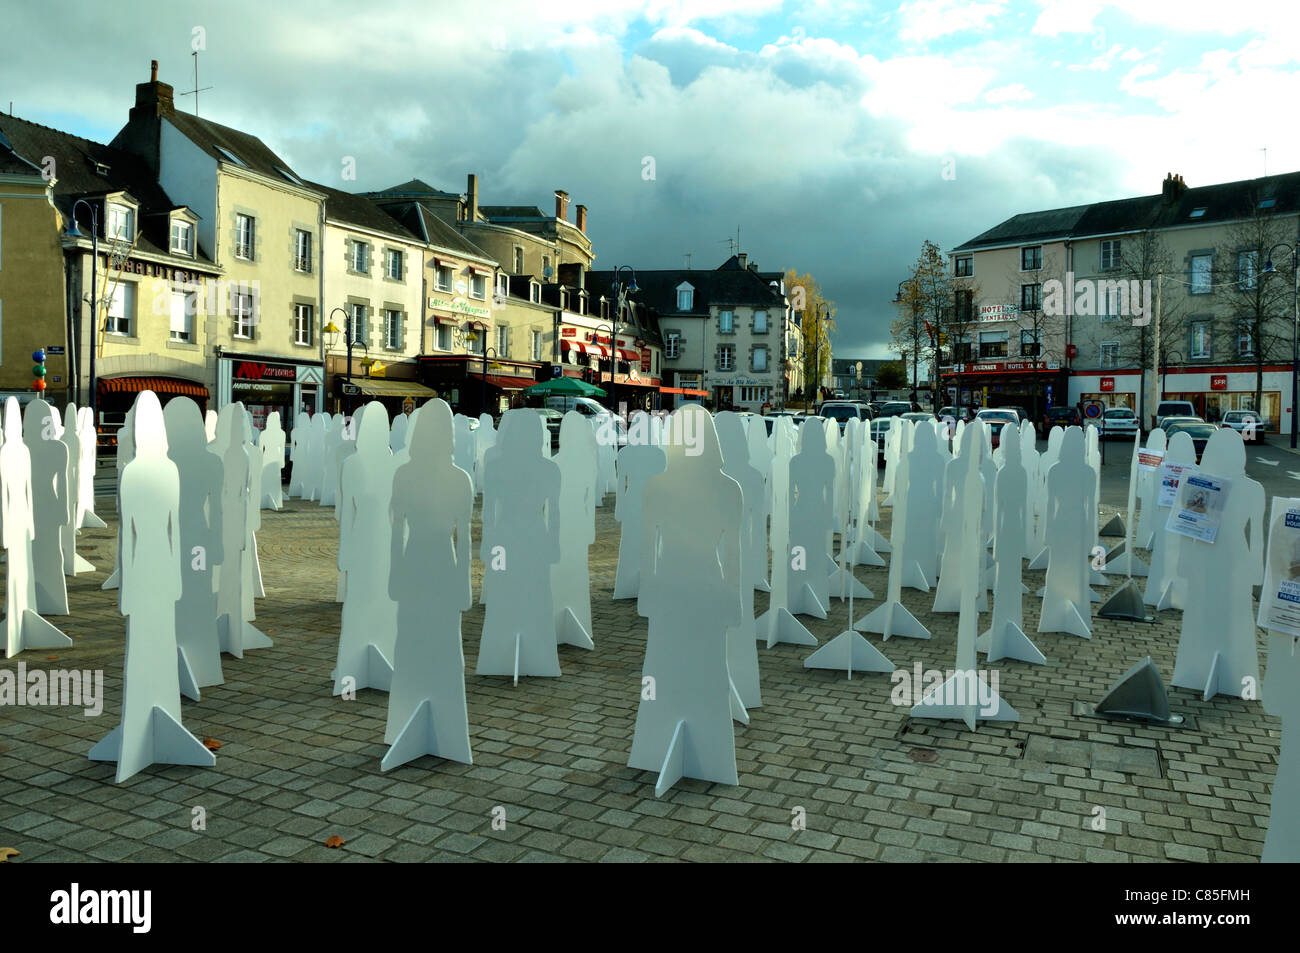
x,y
1108,383
1218,382
254,371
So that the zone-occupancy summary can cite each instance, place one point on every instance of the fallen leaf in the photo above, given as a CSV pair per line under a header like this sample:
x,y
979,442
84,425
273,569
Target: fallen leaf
x,y
6,853
335,841
212,744
51,657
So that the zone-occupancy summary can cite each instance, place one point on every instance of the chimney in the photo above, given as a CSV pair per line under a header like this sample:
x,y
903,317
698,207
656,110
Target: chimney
x,y
1173,187
581,212
153,99
742,259
471,198
561,205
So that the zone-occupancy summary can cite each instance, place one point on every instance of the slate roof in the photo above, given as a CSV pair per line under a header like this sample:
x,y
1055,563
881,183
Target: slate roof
x,y
721,287
252,151
76,175
357,210
1222,202
509,213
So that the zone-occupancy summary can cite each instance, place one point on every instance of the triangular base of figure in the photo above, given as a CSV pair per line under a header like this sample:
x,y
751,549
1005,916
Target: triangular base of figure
x,y
1127,564
1115,527
1215,682
803,601
244,639
948,702
79,565
871,538
1040,561
91,520
738,710
914,577
39,633
1126,603
1011,643
378,673
1097,579
189,684
851,585
1139,695
780,626
674,764
860,554
1167,599
168,742
52,601
762,585
849,652
572,632
1064,617
419,738
892,618
627,585
113,580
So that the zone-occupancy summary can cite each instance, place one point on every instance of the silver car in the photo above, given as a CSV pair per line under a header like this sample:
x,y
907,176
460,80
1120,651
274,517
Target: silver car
x,y
1246,422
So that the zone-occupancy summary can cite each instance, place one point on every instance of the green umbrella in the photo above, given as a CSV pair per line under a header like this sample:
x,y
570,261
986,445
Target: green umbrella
x,y
566,386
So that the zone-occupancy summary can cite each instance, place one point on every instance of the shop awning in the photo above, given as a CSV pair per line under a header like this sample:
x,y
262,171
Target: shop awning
x,y
387,388
159,385
577,347
483,272
506,383
626,355
684,390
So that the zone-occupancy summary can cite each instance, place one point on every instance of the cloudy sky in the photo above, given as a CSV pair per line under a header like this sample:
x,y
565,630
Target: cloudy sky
x,y
836,136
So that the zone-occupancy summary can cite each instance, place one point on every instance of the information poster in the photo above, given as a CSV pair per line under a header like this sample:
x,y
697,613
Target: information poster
x,y
1149,460
1170,475
1279,599
1198,507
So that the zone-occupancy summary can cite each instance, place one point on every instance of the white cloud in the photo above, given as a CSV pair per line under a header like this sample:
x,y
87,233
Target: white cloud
x,y
926,20
1012,93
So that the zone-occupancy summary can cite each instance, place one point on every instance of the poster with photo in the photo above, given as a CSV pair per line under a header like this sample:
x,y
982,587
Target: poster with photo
x,y
1279,599
1170,475
1198,507
1150,460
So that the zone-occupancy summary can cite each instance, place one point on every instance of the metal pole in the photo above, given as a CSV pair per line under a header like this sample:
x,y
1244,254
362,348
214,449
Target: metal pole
x,y
1295,345
94,313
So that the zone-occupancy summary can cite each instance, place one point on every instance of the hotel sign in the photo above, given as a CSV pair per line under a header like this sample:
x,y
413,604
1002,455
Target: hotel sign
x,y
999,312
460,306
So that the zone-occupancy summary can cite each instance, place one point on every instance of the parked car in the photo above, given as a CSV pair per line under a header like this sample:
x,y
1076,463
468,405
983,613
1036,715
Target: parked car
x,y
879,429
843,411
995,427
1198,430
1020,413
1118,422
895,408
875,406
1174,408
957,413
1168,422
583,405
917,415
1006,416
1246,422
1060,417
552,419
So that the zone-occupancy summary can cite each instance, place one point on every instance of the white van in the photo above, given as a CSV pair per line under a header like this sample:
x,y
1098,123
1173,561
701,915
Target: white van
x,y
1173,408
583,405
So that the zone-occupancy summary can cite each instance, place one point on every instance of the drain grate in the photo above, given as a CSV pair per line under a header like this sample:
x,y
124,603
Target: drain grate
x,y
1120,759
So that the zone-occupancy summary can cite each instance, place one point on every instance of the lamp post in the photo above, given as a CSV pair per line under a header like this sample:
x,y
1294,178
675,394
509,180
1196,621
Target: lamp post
x,y
613,360
332,328
75,233
820,314
621,291
1295,330
483,399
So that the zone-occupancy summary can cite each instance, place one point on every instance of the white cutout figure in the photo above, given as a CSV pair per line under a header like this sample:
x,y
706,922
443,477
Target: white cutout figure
x,y
637,463
1033,503
313,471
237,632
200,472
51,497
1281,697
1046,460
368,632
777,624
271,443
331,461
89,466
429,580
1006,635
742,645
345,446
521,541
1128,562
1166,587
397,428
150,731
606,430
124,453
1071,529
298,453
1149,486
954,575
1217,651
760,458
73,564
691,592
465,449
210,425
570,575
24,627
252,565
484,439
812,522
918,550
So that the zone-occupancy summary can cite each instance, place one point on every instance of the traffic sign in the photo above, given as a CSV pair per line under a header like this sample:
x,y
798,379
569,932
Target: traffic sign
x,y
1094,409
556,370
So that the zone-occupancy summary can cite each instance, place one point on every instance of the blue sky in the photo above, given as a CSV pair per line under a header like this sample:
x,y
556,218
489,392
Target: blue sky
x,y
821,129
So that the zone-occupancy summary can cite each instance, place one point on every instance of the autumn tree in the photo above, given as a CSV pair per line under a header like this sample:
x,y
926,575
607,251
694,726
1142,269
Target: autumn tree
x,y
816,323
891,376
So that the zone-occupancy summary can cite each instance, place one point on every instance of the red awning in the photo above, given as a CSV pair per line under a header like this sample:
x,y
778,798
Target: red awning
x,y
445,319
159,385
598,349
627,355
577,347
506,383
475,269
684,390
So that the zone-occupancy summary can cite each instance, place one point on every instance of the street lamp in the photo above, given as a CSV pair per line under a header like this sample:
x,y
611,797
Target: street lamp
x,y
621,291
1295,329
483,400
821,313
332,328
75,233
613,359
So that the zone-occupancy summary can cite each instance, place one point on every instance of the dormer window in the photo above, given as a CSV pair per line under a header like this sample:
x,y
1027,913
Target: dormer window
x,y
120,222
230,156
182,242
534,292
685,297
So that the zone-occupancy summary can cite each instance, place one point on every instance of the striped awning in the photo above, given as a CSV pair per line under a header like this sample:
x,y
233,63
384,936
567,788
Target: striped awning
x,y
159,385
625,355
577,347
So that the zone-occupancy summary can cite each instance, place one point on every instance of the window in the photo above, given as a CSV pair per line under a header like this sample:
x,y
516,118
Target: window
x,y
964,267
537,346
395,264
241,309
1109,354
726,357
357,323
503,341
121,308
754,395
1267,203
1029,344
182,237
1031,297
535,292
1110,255
519,260
760,359
503,286
726,322
361,257
1108,300
119,223
245,234
546,266
1031,258
302,251
1247,268
230,156
442,338
442,277
478,341
1201,282
685,297
392,329
1201,343
962,348
993,343
760,322
1245,339
672,345
303,324
184,304
1197,213
478,286
965,307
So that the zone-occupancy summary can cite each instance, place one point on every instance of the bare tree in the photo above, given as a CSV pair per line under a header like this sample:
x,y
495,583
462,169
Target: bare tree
x,y
1042,323
1145,259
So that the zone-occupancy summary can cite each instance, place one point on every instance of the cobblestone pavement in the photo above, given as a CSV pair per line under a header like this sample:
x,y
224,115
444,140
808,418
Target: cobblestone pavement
x,y
297,766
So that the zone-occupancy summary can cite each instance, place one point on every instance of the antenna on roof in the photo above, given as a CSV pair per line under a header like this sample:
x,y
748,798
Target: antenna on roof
x,y
196,90
1265,151
687,256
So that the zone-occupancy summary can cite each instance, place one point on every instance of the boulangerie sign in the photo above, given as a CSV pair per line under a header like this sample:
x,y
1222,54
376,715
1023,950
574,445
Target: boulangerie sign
x,y
1279,599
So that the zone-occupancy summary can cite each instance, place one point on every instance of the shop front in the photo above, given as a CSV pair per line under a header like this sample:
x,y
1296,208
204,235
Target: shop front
x,y
1114,388
472,389
265,385
1033,386
1213,391
114,396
